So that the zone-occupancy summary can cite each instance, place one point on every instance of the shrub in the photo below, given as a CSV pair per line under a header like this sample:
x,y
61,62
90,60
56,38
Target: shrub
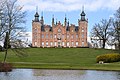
x,y
5,67
107,58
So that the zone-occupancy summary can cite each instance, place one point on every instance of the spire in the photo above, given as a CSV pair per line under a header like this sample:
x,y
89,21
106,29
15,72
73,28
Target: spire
x,y
36,15
68,23
83,14
56,21
53,20
42,15
65,18
65,22
42,20
36,8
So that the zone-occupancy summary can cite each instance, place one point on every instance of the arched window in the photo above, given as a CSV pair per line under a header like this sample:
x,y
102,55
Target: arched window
x,y
59,30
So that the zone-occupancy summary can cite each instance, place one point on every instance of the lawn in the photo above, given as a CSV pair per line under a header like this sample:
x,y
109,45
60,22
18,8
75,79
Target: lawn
x,y
60,58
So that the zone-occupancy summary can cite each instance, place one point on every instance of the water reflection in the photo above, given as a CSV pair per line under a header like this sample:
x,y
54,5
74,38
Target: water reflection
x,y
58,74
38,74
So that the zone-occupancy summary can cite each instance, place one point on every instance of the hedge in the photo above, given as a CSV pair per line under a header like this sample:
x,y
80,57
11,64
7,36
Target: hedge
x,y
107,58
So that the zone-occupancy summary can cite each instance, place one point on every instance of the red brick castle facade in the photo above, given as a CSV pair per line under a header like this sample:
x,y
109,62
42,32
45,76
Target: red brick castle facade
x,y
59,35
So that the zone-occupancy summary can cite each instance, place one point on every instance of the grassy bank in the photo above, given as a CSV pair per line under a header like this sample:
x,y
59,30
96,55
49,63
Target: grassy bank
x,y
60,58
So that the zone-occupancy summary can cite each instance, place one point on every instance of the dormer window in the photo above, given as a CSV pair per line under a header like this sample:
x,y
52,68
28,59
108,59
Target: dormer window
x,y
72,30
59,30
46,30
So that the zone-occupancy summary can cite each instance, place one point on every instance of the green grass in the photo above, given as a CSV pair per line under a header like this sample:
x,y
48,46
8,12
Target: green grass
x,y
60,58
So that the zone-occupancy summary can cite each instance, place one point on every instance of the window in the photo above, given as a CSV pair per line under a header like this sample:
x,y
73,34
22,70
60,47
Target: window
x,y
82,43
63,36
35,43
59,36
76,35
63,43
46,35
55,43
76,43
35,30
42,35
35,36
72,36
72,30
67,36
59,30
82,35
46,43
72,43
42,43
82,30
51,43
67,43
39,37
46,30
51,36
55,36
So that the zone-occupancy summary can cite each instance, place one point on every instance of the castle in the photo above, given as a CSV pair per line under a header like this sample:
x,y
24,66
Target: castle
x,y
59,35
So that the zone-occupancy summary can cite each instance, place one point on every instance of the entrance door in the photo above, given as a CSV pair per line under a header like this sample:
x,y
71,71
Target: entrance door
x,y
59,44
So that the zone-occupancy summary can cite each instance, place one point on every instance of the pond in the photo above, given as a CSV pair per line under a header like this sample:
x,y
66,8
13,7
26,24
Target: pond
x,y
41,74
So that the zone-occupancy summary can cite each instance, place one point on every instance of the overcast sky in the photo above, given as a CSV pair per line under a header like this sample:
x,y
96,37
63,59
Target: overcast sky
x,y
95,10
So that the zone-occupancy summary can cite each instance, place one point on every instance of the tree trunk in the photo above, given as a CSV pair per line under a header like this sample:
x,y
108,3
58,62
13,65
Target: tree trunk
x,y
103,46
119,48
5,56
6,46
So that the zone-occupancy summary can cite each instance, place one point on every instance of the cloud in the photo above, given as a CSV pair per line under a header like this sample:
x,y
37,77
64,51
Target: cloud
x,y
69,5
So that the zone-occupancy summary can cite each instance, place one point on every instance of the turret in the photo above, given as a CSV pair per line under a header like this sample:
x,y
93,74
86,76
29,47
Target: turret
x,y
82,30
83,15
36,16
65,22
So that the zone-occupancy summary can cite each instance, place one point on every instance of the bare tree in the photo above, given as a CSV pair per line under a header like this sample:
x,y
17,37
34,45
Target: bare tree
x,y
13,21
2,19
116,25
101,31
15,18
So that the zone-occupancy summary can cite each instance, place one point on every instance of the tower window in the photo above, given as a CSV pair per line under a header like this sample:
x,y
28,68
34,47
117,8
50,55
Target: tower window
x,y
35,36
35,43
82,35
82,30
35,30
82,43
